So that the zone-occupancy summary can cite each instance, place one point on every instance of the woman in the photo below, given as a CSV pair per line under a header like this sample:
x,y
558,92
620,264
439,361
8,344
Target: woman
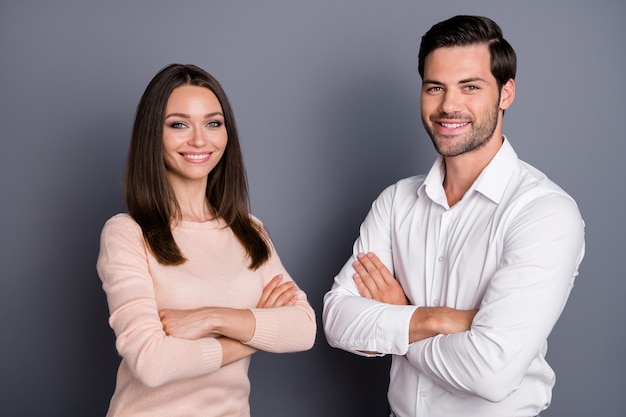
x,y
192,280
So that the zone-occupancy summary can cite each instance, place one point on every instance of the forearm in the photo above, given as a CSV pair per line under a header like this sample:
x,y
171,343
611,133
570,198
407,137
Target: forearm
x,y
362,326
237,324
284,329
430,321
233,350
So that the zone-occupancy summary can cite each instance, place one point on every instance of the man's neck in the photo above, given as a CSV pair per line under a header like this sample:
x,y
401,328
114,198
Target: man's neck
x,y
463,170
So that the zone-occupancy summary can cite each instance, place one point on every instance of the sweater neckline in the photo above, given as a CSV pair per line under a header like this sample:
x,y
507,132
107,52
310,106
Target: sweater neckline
x,y
213,224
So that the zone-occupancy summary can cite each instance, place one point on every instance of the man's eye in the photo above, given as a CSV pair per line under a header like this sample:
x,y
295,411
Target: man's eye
x,y
471,88
434,89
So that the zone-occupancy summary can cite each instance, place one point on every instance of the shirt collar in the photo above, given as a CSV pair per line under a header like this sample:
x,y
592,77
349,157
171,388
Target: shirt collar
x,y
491,182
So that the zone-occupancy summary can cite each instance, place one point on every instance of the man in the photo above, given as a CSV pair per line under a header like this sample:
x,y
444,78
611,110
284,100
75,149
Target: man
x,y
462,273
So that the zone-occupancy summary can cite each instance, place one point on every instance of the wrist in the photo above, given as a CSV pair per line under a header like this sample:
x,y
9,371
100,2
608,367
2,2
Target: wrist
x,y
234,323
422,324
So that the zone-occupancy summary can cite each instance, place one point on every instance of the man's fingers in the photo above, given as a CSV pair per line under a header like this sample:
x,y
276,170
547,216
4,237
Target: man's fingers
x,y
375,281
360,285
370,270
365,278
379,266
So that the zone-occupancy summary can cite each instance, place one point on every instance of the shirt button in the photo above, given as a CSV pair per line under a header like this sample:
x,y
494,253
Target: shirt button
x,y
436,302
440,259
423,394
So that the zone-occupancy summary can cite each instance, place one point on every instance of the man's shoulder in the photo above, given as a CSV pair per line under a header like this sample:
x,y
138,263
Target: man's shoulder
x,y
408,184
534,181
533,190
402,190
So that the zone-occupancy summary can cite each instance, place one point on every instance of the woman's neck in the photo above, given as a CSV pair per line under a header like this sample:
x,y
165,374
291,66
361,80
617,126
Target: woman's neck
x,y
192,202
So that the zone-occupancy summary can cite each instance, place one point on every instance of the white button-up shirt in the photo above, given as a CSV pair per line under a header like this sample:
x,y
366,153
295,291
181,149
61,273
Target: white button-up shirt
x,y
511,247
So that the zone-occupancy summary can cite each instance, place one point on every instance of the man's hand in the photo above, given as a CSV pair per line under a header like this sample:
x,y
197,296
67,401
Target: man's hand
x,y
276,294
373,280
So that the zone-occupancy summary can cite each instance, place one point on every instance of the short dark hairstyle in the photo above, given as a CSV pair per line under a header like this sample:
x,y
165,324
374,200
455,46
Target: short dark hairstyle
x,y
465,30
148,194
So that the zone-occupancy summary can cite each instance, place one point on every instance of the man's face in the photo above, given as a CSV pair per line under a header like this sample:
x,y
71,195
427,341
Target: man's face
x,y
460,100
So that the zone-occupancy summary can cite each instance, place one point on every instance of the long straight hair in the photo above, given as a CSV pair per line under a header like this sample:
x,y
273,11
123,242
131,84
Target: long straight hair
x,y
148,194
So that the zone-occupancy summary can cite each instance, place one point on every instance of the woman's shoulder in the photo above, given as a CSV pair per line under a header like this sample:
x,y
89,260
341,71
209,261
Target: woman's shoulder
x,y
255,220
121,222
260,227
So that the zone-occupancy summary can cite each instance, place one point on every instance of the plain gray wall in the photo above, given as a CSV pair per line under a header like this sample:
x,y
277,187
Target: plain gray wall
x,y
326,95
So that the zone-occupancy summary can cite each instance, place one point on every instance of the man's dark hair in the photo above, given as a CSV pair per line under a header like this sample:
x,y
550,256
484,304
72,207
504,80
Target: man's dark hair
x,y
471,30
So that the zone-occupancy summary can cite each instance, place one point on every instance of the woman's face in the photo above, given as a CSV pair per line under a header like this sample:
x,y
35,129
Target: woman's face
x,y
194,134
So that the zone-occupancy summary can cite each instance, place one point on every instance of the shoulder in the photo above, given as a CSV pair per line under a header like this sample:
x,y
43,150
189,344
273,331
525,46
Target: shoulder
x,y
406,188
121,223
410,184
121,240
255,220
397,197
534,184
539,195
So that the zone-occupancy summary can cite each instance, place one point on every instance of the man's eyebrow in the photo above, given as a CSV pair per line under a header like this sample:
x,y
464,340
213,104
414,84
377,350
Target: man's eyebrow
x,y
427,81
464,81
473,80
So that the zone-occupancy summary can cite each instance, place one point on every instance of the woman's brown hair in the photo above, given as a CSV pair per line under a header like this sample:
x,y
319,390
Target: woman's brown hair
x,y
147,191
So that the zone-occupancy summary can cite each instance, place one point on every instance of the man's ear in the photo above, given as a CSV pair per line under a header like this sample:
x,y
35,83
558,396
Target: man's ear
x,y
507,94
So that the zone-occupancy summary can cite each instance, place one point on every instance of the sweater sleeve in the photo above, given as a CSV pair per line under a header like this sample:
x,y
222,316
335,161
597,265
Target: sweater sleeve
x,y
283,329
154,357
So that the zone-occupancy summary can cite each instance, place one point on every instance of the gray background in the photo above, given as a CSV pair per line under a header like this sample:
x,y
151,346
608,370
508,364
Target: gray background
x,y
326,95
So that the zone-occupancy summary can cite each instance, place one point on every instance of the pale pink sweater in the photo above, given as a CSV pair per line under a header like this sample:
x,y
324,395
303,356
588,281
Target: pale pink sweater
x,y
163,376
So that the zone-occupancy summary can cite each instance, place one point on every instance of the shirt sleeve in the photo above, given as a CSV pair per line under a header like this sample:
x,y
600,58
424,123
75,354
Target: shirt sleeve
x,y
542,250
283,329
361,325
154,357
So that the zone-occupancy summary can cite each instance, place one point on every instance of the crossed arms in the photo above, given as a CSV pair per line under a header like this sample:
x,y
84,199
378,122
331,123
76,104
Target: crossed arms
x,y
374,281
234,326
505,305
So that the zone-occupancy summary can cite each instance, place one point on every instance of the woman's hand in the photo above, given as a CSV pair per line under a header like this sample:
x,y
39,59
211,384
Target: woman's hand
x,y
276,294
189,324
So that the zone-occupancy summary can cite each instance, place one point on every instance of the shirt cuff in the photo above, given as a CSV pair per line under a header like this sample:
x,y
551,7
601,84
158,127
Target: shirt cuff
x,y
392,329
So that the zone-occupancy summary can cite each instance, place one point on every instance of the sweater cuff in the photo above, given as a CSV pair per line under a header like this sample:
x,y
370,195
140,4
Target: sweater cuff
x,y
211,354
266,328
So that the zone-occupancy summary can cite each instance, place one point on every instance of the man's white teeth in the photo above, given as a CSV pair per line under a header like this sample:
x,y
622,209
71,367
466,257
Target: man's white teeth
x,y
453,125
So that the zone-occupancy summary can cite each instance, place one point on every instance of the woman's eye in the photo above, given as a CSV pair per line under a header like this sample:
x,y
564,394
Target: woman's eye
x,y
215,123
177,125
